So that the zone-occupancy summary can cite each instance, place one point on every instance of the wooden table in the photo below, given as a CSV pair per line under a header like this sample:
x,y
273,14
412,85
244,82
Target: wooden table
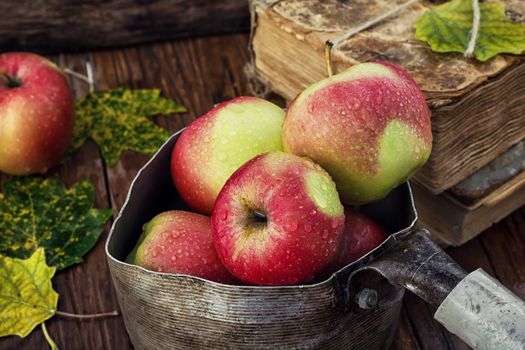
x,y
199,73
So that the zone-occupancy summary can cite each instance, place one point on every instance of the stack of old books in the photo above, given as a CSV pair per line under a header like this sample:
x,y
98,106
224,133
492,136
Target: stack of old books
x,y
475,175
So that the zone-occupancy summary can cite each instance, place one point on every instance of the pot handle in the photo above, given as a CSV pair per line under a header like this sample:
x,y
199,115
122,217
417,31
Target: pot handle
x,y
475,307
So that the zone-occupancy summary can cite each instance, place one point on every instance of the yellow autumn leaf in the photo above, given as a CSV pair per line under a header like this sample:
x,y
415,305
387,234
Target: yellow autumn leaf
x,y
27,297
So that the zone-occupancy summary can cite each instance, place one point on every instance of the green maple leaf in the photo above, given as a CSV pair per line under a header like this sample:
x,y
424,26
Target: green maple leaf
x,y
37,212
116,121
446,28
27,297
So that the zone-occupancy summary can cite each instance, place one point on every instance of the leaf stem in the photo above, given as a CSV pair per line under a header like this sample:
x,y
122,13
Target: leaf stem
x,y
87,316
49,340
85,78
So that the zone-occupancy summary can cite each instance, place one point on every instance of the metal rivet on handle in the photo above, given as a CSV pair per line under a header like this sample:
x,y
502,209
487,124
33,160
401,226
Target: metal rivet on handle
x,y
367,298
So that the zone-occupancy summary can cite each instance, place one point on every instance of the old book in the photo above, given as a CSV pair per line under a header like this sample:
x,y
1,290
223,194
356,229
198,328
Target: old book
x,y
478,109
453,222
485,197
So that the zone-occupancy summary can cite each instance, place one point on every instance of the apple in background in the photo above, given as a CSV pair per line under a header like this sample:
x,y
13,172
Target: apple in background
x,y
278,220
360,236
369,127
179,242
36,114
216,144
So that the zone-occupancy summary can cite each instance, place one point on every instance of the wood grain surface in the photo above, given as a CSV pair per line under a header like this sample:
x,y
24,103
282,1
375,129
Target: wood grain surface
x,y
199,73
66,25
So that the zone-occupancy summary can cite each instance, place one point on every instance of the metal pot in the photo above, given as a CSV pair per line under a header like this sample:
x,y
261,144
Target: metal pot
x,y
355,308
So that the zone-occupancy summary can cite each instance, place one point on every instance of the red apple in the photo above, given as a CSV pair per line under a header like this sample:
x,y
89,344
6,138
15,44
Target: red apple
x,y
369,127
278,220
179,242
360,236
216,144
36,114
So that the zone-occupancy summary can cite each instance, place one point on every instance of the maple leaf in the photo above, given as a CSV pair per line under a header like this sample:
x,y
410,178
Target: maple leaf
x,y
27,297
37,212
447,27
116,121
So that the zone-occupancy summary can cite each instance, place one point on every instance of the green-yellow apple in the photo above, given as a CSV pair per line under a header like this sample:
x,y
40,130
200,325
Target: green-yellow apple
x,y
278,220
216,144
369,127
179,242
36,114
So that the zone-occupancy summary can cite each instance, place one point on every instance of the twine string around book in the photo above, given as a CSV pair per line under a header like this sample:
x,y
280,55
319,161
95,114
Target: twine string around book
x,y
469,51
364,26
330,44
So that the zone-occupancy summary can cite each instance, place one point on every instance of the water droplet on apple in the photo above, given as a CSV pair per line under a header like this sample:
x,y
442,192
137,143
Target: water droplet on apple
x,y
324,234
290,225
224,215
173,258
188,265
356,105
307,228
310,107
175,234
236,107
313,212
334,224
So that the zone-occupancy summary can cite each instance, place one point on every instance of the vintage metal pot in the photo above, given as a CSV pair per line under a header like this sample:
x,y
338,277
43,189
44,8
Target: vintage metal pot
x,y
355,308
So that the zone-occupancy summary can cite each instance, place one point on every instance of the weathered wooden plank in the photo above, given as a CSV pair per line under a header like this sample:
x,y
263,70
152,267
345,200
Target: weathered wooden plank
x,y
58,25
405,338
199,73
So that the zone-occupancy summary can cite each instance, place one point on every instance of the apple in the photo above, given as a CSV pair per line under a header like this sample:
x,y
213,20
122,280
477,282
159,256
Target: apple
x,y
369,127
36,114
179,242
216,144
360,236
278,220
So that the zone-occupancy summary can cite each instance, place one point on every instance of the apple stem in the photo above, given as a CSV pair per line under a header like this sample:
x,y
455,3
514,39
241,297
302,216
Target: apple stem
x,y
8,81
87,316
260,216
85,78
49,340
328,57
4,79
